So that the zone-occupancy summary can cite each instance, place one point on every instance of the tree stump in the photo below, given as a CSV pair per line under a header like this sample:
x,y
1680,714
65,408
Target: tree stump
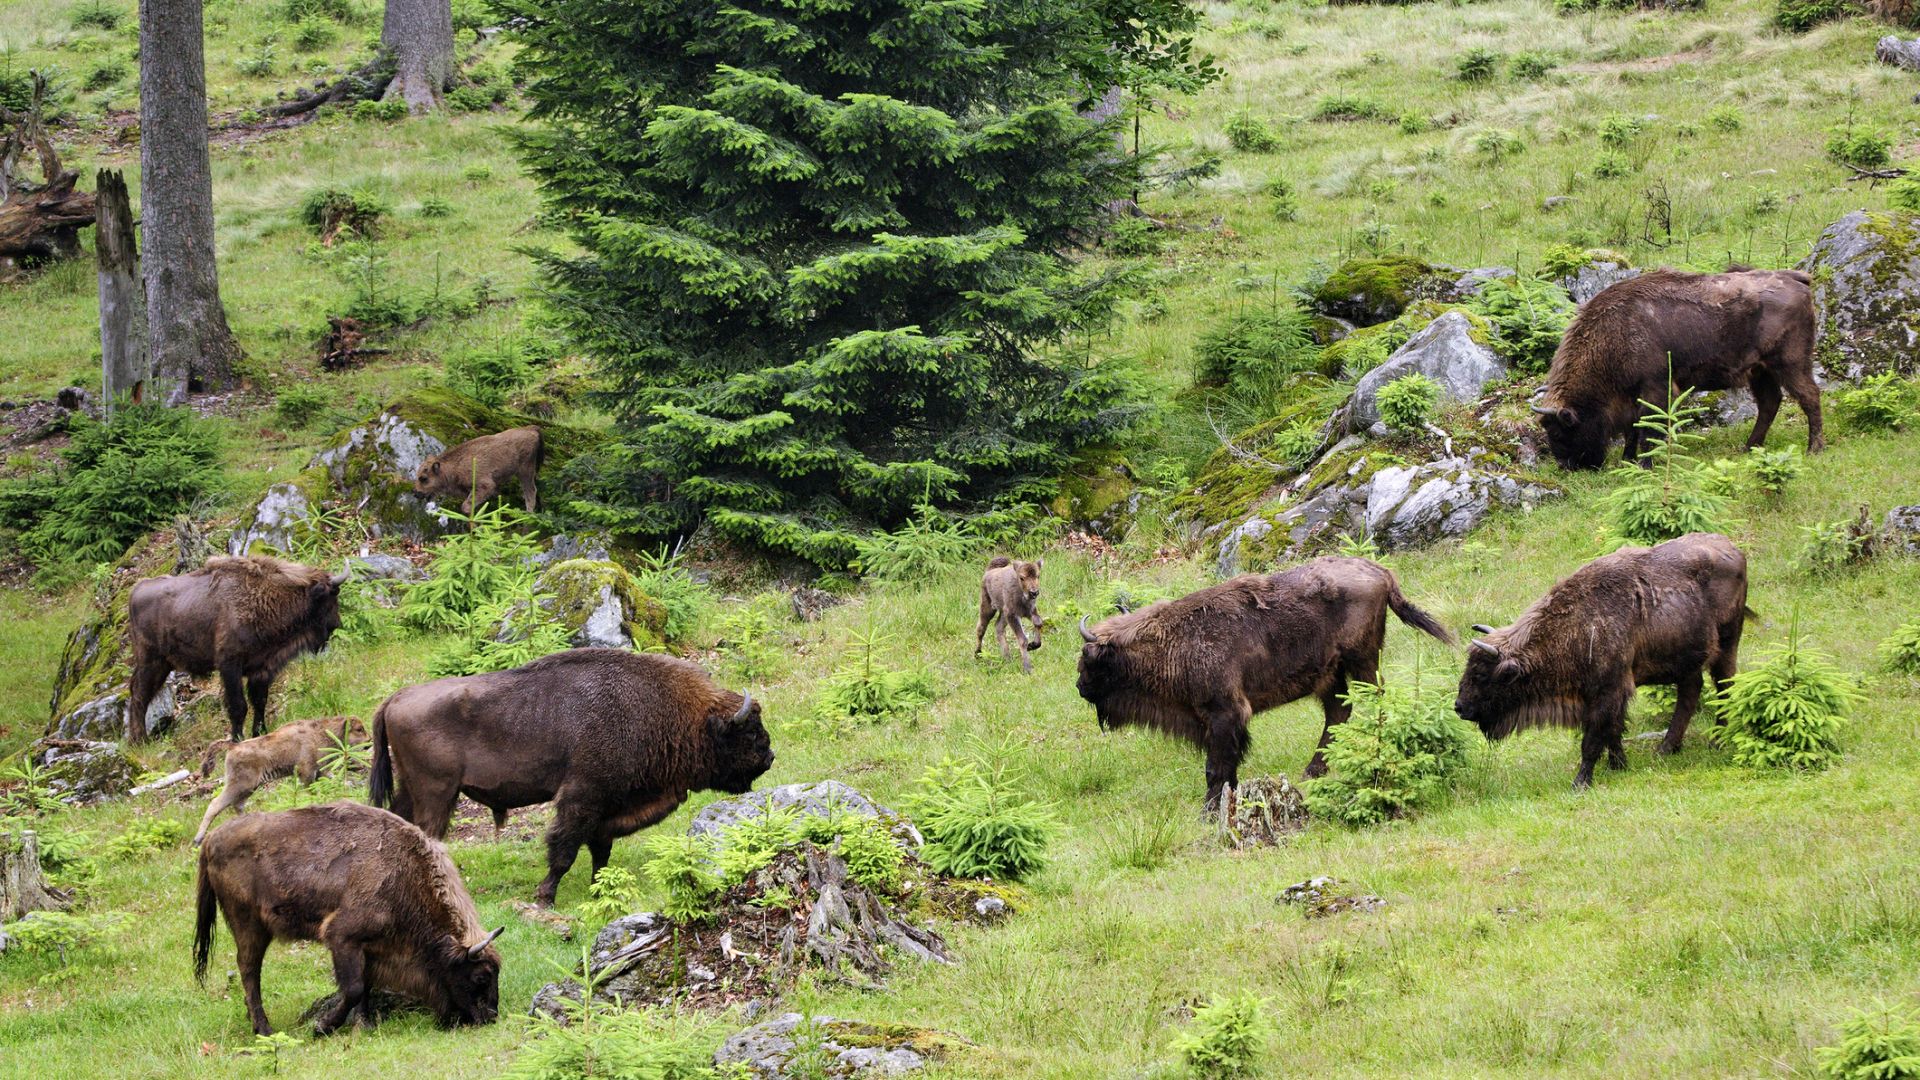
x,y
124,365
23,888
39,222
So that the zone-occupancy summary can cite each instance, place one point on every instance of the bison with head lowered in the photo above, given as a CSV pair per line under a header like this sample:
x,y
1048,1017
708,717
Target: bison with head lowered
x,y
616,740
1199,667
1656,616
245,618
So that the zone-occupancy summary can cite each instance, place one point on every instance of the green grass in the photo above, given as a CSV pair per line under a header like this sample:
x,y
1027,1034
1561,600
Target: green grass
x,y
1685,917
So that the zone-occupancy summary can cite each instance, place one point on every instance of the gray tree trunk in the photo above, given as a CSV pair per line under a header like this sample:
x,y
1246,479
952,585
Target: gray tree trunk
x,y
124,369
22,887
187,333
418,35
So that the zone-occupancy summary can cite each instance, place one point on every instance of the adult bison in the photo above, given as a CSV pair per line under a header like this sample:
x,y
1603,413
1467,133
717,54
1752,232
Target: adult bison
x,y
617,740
478,469
1199,667
1751,328
385,901
245,618
1654,616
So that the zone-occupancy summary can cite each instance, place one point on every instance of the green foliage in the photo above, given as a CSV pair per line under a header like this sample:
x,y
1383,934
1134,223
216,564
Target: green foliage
x,y
928,544
1294,444
61,932
1882,402
1800,16
682,865
313,34
1335,108
332,211
1530,317
745,635
1835,546
866,691
1477,65
1674,496
1609,166
491,372
117,481
433,206
751,843
1901,651
97,15
373,298
1400,747
1619,130
1772,470
1253,352
1497,144
260,63
473,571
472,98
663,576
976,819
824,279
1883,1044
1532,64
104,74
1228,1036
873,857
1282,198
1414,123
601,1042
340,758
512,630
1725,118
1407,403
1250,134
381,110
340,11
614,892
142,837
471,15
27,792
1785,712
1859,147
268,1048
300,404
1132,237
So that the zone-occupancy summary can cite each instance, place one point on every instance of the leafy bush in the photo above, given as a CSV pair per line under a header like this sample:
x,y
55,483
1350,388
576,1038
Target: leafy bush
x,y
1673,497
98,16
1880,1045
1132,237
313,34
1859,147
1228,1036
1800,16
331,212
259,63
1530,317
471,15
433,206
1477,65
373,298
473,571
929,544
1414,123
143,837
1399,748
1618,130
106,73
682,865
1609,166
1252,352
976,819
1344,107
614,893
663,576
491,372
605,1042
61,932
470,99
865,691
1834,546
385,110
1407,403
1295,443
1785,712
1250,134
1725,118
477,173
1282,198
300,404
1901,651
1883,402
1532,64
1497,143
873,857
1770,471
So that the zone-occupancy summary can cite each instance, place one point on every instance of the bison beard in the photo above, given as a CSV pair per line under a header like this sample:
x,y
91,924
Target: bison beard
x,y
1710,331
1198,668
245,618
386,901
616,740
1639,617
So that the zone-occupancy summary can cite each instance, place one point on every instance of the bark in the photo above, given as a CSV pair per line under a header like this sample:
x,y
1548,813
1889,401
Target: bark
x,y
418,35
124,367
23,889
191,346
38,221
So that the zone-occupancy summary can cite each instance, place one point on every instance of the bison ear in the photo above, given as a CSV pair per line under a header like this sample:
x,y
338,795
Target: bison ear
x,y
1568,416
1508,670
1039,564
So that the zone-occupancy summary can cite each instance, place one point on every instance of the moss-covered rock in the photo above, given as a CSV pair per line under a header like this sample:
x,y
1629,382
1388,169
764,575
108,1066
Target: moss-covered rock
x,y
1866,293
850,1047
85,771
600,605
1374,289
1099,495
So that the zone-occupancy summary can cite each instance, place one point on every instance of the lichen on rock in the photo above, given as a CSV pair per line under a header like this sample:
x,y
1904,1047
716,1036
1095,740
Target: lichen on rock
x,y
1375,289
599,603
851,1048
1866,293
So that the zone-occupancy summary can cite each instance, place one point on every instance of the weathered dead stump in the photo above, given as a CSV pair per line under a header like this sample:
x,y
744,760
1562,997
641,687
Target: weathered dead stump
x,y
39,222
23,887
1260,812
345,345
125,366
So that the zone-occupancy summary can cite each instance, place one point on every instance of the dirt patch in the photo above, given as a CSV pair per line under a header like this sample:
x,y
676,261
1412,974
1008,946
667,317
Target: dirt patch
x,y
1697,55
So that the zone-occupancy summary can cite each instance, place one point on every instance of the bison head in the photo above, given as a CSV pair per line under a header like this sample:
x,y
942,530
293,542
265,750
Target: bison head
x,y
323,608
469,983
1029,574
427,480
1576,437
1103,675
1490,689
741,749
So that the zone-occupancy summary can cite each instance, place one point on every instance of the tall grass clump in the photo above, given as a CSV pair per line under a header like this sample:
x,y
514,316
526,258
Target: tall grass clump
x,y
1399,748
977,820
598,1041
1227,1038
1883,1044
1882,402
1674,496
1250,134
1785,712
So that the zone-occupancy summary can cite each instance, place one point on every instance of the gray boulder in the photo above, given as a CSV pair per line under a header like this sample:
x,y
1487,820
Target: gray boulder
x,y
1593,279
809,800
84,771
565,546
1409,506
1469,283
1866,293
1444,352
280,513
1903,54
849,1047
105,718
1900,530
378,567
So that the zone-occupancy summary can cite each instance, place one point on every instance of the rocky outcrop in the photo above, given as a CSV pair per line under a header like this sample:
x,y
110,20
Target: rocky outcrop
x,y
1602,269
1866,291
598,602
843,1047
83,771
1900,531
1373,290
1099,496
1446,352
808,800
1892,49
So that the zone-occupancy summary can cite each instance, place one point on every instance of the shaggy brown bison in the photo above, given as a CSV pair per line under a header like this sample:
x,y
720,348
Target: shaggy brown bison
x,y
294,750
1751,328
385,901
479,469
1010,590
245,618
1639,617
617,740
1199,667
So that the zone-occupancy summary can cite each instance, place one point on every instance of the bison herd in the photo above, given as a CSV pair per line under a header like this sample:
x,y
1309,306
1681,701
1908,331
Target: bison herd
x,y
616,741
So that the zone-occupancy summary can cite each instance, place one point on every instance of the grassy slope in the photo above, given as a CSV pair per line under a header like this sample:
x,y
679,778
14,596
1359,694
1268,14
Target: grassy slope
x,y
1683,918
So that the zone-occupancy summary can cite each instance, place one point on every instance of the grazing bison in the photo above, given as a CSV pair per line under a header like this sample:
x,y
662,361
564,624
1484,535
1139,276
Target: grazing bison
x,y
479,469
1638,617
1199,667
294,749
385,901
245,618
1010,590
1750,328
617,740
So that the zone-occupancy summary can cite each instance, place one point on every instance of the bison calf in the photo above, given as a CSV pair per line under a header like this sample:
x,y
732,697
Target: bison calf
x,y
1010,591
1199,668
385,901
245,618
294,749
1655,616
479,469
616,740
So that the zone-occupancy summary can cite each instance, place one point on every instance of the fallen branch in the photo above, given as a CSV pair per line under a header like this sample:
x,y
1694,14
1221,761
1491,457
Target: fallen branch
x,y
166,781
361,84
1891,172
38,221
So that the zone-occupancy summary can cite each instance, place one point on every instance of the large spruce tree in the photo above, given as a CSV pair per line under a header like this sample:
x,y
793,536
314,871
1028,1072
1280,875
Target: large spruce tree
x,y
827,246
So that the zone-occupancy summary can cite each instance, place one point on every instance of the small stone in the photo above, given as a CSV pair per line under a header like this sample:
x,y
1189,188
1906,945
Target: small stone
x,y
990,907
1555,202
1901,529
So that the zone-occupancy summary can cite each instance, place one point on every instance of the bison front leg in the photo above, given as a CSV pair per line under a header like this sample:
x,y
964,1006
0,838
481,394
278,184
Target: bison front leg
x,y
1605,722
1227,742
257,688
350,972
1020,641
1686,704
146,682
233,693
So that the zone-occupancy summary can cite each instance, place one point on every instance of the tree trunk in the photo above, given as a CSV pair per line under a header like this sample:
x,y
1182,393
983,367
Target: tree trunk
x,y
123,301
22,887
191,345
418,34
38,222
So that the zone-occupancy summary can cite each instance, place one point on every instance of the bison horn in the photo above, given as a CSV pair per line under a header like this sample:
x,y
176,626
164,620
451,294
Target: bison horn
x,y
746,706
478,947
1085,633
337,580
1544,410
1125,608
1482,628
1488,646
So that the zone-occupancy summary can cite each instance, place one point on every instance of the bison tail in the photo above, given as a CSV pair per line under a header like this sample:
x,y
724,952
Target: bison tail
x,y
203,923
380,779
1414,617
1749,614
539,448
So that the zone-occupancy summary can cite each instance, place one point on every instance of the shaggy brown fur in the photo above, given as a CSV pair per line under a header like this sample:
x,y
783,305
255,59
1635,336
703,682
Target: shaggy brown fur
x,y
1655,616
1198,668
1748,328
479,469
245,618
1010,590
384,899
294,750
617,740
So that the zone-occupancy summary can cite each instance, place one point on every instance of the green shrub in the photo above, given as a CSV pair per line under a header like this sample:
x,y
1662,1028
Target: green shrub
x,y
1250,134
1529,316
477,173
97,15
1254,351
1883,402
1800,16
1859,147
386,111
1835,546
491,372
1673,497
297,11
372,296
1725,118
1336,108
1227,1038
143,837
1785,712
433,206
1497,143
61,932
663,576
1407,403
1282,198
1772,470
929,544
1609,166
866,691
313,34
1295,444
1477,65
471,15
331,212
1400,747
682,865
260,63
873,857
470,99
976,819
473,572
1880,1045
1532,64
301,404
1904,193
606,1042
1414,123
1133,237
1618,130
1901,651
106,73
